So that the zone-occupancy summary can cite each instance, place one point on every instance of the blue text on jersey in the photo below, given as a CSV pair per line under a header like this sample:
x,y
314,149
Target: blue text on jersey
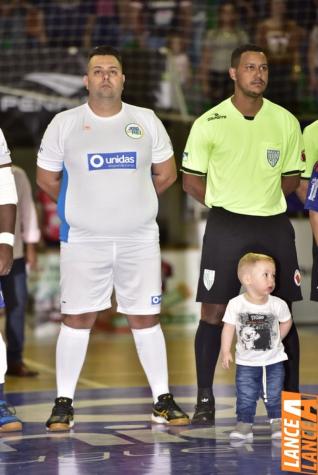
x,y
156,299
106,161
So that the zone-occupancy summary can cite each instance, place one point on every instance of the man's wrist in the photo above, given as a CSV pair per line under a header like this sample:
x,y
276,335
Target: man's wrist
x,y
7,238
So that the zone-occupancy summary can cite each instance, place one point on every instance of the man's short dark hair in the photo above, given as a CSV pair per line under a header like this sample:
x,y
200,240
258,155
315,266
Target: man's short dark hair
x,y
105,50
237,53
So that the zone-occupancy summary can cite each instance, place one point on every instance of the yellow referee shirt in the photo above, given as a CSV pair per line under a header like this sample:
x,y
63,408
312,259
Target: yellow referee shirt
x,y
243,159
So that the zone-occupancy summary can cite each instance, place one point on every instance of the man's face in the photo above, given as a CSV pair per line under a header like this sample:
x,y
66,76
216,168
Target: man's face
x,y
104,78
251,74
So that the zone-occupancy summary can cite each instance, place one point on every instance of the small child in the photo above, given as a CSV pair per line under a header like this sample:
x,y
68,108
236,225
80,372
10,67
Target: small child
x,y
261,321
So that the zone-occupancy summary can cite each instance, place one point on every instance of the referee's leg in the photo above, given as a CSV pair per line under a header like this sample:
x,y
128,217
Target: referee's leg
x,y
282,248
291,345
207,348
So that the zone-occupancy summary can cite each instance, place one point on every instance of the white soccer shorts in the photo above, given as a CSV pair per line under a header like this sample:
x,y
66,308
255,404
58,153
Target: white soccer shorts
x,y
90,272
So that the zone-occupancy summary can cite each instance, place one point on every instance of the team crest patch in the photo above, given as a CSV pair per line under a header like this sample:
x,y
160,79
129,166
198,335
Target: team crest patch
x,y
134,131
273,157
297,277
208,278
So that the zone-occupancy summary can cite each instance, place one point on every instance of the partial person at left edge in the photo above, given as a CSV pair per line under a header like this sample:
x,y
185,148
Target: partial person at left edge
x,y
14,285
307,192
8,205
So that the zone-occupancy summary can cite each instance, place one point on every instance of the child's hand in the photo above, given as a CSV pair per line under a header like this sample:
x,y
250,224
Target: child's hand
x,y
226,359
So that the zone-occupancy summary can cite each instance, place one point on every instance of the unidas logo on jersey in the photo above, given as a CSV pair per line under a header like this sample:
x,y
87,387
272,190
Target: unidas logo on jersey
x,y
106,161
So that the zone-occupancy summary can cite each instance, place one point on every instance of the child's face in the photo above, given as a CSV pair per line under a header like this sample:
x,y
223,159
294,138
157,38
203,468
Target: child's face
x,y
261,279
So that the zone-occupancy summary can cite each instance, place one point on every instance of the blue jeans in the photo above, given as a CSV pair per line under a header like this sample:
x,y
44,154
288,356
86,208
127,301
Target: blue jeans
x,y
253,382
15,294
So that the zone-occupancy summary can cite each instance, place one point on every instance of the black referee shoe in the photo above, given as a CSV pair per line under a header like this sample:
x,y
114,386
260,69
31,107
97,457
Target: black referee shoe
x,y
204,413
62,417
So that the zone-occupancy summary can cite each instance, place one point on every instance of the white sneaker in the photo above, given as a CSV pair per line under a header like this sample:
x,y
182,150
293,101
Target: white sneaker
x,y
243,431
276,428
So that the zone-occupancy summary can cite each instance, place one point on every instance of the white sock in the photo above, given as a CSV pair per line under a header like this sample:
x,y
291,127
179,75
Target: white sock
x,y
71,350
151,349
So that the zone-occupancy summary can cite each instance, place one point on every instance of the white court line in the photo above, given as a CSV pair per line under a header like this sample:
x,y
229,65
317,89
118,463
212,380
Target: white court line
x,y
84,381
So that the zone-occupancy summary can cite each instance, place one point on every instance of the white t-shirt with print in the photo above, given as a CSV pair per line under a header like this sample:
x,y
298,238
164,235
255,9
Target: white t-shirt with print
x,y
257,330
107,189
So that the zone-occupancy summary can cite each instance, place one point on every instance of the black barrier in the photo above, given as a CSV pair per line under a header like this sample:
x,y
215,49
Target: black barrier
x,y
38,83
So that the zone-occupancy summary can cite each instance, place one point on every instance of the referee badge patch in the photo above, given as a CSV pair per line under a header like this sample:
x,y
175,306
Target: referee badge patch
x,y
208,278
273,157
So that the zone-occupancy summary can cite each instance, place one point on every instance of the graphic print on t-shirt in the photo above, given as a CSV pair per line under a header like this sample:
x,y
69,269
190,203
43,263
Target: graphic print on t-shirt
x,y
256,331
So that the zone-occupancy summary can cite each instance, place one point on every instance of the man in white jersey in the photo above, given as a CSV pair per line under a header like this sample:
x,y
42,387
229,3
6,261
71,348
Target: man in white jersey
x,y
241,159
8,204
105,162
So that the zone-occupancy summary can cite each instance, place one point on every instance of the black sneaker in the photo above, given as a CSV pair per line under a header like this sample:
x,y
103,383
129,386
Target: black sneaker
x,y
166,411
62,417
204,413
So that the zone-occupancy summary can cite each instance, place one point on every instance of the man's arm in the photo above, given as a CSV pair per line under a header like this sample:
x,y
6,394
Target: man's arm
x,y
313,218
28,221
8,201
301,191
290,184
195,186
164,174
49,182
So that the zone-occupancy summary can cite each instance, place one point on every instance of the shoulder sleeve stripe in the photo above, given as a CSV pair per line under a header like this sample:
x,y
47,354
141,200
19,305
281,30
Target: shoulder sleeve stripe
x,y
293,172
192,172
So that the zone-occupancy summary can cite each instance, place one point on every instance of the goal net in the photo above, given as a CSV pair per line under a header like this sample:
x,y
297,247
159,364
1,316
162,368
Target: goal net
x,y
176,54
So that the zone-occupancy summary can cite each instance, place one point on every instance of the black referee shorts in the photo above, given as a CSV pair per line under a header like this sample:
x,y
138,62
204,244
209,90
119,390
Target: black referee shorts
x,y
228,236
314,273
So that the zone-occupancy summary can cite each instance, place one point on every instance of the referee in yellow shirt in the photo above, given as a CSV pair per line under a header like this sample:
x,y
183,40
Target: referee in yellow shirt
x,y
242,158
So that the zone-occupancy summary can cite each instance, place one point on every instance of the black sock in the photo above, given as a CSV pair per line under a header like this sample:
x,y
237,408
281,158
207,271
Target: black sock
x,y
207,348
2,392
291,344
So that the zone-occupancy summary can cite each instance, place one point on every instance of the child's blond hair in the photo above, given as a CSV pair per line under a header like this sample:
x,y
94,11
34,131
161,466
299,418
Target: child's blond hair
x,y
250,259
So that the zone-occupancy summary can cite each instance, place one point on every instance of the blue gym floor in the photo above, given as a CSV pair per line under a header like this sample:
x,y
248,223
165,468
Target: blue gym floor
x,y
113,435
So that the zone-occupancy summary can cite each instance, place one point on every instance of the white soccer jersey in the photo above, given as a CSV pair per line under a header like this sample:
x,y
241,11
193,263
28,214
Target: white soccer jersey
x,y
107,189
4,151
